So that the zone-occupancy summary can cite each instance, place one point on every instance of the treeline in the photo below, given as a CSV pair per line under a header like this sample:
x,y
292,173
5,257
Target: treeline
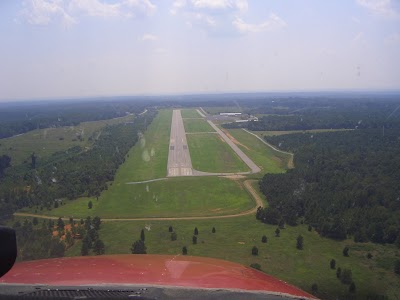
x,y
49,239
306,114
85,173
344,184
23,117
5,161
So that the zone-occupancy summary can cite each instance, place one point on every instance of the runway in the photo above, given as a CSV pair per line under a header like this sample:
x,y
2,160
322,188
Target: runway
x,y
179,161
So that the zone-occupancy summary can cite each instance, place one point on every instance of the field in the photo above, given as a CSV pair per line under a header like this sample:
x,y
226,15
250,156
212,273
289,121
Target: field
x,y
235,237
186,197
216,110
271,133
45,142
197,125
190,113
210,153
173,197
148,158
268,159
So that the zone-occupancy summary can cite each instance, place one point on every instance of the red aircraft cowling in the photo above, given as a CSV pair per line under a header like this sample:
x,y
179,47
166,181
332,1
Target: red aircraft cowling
x,y
163,270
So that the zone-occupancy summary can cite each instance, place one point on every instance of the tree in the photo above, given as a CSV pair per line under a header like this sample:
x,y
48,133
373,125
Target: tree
x,y
397,267
194,240
299,244
173,236
254,250
142,237
196,231
5,161
281,224
68,238
35,221
338,272
314,288
33,161
264,239
138,247
90,204
57,248
277,232
255,266
346,277
170,229
93,234
213,230
184,250
333,263
60,224
397,241
346,251
96,223
99,247
85,247
88,223
352,287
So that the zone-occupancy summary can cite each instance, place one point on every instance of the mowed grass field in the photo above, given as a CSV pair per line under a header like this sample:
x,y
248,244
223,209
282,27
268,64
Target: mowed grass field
x,y
235,237
272,133
210,153
173,197
190,113
45,142
214,110
197,125
149,157
268,159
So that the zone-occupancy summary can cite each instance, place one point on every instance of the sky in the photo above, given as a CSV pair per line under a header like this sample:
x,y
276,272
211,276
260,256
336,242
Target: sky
x,y
84,48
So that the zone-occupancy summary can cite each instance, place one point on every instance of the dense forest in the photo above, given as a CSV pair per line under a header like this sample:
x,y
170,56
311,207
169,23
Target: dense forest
x,y
344,184
70,174
24,117
48,239
323,113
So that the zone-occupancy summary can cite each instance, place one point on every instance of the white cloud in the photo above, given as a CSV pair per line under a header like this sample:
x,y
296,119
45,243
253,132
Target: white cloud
x,y
95,8
213,16
149,37
240,5
359,38
212,4
143,6
177,5
384,8
44,12
204,19
272,23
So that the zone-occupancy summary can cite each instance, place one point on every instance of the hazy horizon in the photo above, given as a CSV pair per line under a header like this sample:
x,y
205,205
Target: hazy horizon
x,y
90,48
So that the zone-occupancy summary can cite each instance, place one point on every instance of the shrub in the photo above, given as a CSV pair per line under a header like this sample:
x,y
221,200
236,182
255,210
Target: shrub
x,y
255,266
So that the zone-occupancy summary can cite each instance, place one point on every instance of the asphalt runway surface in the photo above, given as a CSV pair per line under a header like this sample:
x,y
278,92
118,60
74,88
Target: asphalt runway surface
x,y
179,161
